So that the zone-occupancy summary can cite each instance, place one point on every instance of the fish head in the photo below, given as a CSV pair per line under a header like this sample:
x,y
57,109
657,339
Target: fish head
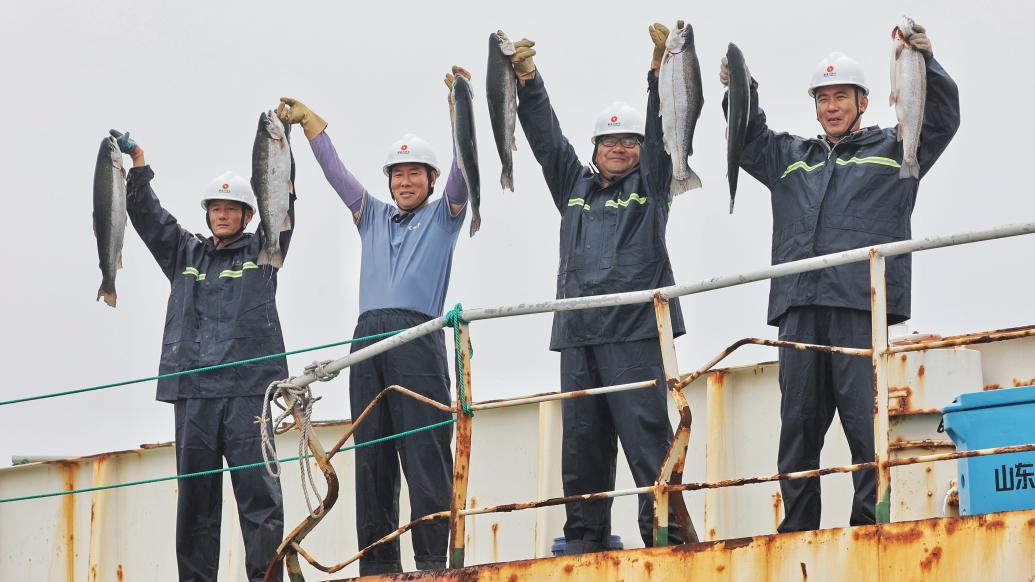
x,y
906,27
461,86
680,39
271,124
114,153
505,45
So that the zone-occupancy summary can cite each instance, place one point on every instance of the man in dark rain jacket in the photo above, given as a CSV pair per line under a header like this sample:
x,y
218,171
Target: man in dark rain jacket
x,y
222,308
612,239
839,191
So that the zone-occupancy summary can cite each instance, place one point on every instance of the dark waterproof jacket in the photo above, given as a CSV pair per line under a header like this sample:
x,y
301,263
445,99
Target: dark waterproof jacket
x,y
830,199
222,306
612,239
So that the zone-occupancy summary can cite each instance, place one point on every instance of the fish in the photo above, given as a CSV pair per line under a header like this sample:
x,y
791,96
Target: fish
x,y
908,95
109,215
501,95
462,97
679,88
737,115
273,173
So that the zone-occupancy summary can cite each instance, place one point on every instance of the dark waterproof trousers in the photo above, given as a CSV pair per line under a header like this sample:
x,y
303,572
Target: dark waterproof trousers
x,y
427,462
812,386
207,430
592,425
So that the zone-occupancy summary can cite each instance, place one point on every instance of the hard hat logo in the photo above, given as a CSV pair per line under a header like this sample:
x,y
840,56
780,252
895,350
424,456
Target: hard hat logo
x,y
404,148
830,68
614,118
226,186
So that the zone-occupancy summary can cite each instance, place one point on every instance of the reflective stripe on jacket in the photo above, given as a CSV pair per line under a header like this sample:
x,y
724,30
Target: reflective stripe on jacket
x,y
222,304
612,239
827,199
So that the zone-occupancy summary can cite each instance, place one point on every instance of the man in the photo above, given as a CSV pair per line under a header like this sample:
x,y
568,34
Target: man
x,y
613,220
222,308
406,260
838,191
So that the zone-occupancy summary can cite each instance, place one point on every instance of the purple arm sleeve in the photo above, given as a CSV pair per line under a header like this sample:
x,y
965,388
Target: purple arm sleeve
x,y
456,186
344,183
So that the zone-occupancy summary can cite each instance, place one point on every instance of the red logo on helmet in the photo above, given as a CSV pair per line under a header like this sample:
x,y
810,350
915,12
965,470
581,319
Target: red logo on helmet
x,y
614,118
830,68
226,186
404,148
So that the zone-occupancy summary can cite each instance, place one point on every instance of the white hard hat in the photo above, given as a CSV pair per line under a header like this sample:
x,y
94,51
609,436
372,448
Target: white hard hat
x,y
619,118
838,69
411,149
230,186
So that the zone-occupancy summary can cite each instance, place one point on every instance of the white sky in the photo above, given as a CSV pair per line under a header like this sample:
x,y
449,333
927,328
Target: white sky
x,y
189,79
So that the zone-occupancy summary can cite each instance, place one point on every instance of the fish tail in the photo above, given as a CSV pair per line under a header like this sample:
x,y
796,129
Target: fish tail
x,y
507,180
689,183
910,169
275,258
476,224
109,296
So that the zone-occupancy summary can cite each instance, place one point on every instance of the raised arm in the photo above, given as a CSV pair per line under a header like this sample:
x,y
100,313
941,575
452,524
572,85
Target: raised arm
x,y
561,166
160,231
344,183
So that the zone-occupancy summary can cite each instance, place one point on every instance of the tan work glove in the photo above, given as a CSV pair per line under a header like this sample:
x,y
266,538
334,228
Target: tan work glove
x,y
724,72
524,68
450,77
659,35
919,40
293,111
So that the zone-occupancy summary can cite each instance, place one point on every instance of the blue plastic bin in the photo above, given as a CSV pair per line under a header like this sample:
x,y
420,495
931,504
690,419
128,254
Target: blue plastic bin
x,y
997,418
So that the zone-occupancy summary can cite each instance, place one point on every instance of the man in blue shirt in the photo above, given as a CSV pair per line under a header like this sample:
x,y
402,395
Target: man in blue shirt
x,y
404,275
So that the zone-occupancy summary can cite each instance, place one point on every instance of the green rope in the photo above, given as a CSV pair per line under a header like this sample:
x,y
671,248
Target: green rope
x,y
225,469
205,369
454,320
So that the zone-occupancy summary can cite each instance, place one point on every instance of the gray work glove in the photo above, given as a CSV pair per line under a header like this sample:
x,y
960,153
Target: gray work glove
x,y
919,40
724,72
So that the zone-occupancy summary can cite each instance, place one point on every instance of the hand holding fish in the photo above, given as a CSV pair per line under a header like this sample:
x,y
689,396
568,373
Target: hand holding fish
x,y
450,78
128,146
292,111
659,36
524,68
724,71
919,41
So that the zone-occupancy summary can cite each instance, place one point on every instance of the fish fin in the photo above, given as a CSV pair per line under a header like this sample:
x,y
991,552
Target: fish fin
x,y
909,170
118,262
899,132
507,181
274,259
476,224
287,223
109,297
732,199
513,144
689,183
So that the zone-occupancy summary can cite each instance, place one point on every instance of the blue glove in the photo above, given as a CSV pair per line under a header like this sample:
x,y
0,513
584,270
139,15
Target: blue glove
x,y
126,144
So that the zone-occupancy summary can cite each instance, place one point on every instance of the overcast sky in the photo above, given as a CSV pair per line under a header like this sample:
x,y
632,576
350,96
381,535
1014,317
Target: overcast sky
x,y
189,80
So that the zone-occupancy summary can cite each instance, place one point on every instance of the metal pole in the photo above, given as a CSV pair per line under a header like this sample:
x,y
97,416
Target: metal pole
x,y
671,470
462,458
562,395
879,344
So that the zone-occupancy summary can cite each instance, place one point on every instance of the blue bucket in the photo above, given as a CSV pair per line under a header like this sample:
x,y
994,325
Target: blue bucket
x,y
997,418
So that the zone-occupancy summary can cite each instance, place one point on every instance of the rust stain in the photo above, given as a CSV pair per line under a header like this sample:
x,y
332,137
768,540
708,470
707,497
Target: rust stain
x,y
68,516
720,567
777,510
995,524
649,567
903,358
1031,522
118,573
921,371
1017,383
991,387
931,559
568,568
495,541
804,572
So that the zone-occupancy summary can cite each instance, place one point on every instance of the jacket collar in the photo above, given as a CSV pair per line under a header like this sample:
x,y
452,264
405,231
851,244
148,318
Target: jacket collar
x,y
237,244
